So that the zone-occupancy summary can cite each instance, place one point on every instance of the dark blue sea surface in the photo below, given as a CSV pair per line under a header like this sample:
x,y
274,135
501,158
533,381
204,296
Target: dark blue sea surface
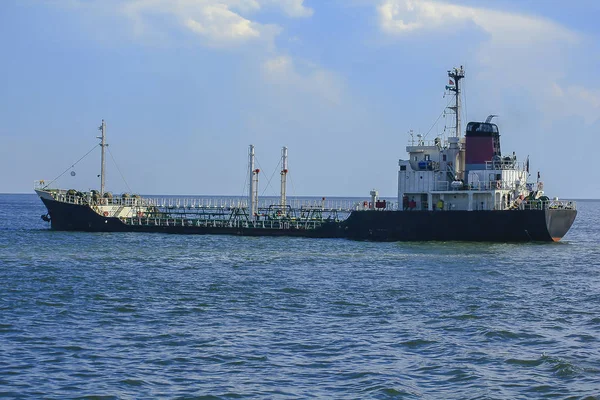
x,y
133,315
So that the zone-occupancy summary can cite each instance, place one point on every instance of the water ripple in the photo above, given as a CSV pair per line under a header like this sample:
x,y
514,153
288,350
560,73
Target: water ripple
x,y
111,316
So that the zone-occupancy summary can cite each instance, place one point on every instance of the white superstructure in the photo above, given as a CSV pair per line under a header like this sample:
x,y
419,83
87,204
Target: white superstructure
x,y
462,172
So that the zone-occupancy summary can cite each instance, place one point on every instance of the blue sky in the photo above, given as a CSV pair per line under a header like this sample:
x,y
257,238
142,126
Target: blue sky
x,y
186,85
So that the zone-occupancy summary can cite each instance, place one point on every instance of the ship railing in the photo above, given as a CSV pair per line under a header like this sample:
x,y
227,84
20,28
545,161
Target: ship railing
x,y
64,197
492,185
486,186
75,199
120,201
47,186
563,204
550,204
222,223
211,203
380,205
424,143
480,186
228,203
442,186
505,164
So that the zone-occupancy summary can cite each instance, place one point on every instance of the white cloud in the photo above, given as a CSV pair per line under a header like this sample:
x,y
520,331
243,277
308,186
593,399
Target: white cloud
x,y
316,81
293,8
221,24
217,23
214,22
576,100
515,51
404,16
278,66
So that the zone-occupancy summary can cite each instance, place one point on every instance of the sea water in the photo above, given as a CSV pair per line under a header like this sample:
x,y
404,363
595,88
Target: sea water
x,y
135,315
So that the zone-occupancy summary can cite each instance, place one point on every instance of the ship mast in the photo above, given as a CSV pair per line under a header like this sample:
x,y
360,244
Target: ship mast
x,y
253,183
455,75
103,145
284,171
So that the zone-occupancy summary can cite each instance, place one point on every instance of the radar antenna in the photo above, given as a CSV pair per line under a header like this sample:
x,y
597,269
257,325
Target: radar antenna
x,y
455,75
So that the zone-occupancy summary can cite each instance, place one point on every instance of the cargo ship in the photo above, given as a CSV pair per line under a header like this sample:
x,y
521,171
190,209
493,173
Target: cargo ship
x,y
454,188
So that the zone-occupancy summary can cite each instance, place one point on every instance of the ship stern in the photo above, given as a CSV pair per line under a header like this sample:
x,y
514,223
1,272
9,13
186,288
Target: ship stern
x,y
559,221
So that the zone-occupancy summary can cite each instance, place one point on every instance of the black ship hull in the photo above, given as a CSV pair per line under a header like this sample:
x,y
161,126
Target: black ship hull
x,y
482,226
74,217
493,226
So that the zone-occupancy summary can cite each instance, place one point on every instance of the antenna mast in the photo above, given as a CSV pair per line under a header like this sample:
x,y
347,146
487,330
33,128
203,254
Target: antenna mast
x,y
284,171
455,75
103,145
